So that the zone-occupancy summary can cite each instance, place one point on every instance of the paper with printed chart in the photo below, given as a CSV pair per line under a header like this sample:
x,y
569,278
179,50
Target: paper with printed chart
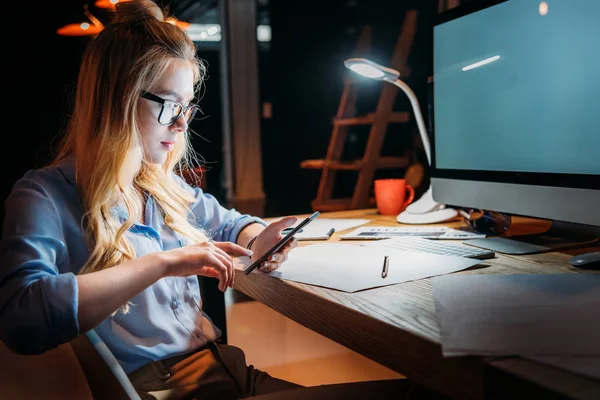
x,y
389,232
350,268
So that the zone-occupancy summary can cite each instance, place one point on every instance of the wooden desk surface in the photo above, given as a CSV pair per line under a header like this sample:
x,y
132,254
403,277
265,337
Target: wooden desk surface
x,y
396,325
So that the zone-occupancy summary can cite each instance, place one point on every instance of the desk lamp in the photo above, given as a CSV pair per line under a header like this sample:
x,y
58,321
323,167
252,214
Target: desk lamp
x,y
425,210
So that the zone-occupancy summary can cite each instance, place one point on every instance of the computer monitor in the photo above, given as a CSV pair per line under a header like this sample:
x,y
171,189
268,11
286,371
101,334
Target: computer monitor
x,y
515,116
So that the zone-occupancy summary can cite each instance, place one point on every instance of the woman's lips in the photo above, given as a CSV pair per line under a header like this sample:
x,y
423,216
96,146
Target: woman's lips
x,y
168,145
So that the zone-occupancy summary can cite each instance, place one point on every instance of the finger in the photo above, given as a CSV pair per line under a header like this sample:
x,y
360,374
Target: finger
x,y
273,267
221,252
209,272
277,257
233,249
286,249
273,262
284,222
276,262
228,262
220,267
266,266
290,245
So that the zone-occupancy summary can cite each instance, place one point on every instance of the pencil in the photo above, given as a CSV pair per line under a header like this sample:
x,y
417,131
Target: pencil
x,y
386,263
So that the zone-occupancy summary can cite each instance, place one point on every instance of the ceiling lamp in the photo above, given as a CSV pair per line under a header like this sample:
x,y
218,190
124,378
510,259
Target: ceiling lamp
x,y
87,28
82,28
108,3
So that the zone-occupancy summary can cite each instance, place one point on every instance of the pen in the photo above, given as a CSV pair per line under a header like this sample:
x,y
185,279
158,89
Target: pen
x,y
386,263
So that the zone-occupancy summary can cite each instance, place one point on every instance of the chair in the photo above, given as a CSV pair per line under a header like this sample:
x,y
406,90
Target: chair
x,y
105,377
195,177
83,369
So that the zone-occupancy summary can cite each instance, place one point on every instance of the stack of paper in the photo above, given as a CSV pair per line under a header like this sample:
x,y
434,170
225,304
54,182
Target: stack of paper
x,y
552,318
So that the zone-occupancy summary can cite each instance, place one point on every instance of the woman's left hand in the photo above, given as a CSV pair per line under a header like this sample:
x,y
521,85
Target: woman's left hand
x,y
267,239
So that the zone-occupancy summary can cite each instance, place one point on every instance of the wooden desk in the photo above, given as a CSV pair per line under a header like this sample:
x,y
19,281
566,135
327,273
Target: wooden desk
x,y
396,325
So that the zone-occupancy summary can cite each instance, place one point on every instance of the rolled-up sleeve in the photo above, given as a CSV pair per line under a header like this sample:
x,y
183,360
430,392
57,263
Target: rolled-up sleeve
x,y
38,303
221,223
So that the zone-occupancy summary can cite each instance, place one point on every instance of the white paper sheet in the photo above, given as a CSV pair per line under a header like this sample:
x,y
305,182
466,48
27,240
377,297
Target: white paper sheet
x,y
320,228
350,268
537,315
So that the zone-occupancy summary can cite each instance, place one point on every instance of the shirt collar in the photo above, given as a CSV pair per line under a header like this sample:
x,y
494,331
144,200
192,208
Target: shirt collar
x,y
67,168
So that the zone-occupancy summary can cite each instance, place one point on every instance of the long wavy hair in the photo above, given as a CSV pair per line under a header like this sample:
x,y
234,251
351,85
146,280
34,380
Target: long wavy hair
x,y
131,54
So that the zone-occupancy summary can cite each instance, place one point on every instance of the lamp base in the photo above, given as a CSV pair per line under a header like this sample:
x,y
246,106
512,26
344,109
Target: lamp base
x,y
425,204
432,217
426,211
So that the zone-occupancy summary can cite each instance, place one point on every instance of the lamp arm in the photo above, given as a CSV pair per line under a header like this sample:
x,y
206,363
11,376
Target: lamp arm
x,y
91,17
418,116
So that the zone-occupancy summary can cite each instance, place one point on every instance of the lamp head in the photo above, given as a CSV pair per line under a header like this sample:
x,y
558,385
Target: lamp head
x,y
371,69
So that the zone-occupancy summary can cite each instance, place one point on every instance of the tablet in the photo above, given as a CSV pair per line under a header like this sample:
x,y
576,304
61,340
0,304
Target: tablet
x,y
281,243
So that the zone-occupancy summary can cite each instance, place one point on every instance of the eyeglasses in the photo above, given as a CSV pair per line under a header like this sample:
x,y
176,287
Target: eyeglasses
x,y
171,110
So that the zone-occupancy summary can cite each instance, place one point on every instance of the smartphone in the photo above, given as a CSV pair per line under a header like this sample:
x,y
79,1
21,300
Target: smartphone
x,y
282,242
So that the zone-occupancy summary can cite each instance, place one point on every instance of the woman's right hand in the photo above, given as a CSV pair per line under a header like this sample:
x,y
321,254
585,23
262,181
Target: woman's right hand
x,y
212,259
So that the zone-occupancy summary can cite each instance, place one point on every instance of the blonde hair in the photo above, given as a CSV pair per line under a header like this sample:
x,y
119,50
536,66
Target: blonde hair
x,y
128,56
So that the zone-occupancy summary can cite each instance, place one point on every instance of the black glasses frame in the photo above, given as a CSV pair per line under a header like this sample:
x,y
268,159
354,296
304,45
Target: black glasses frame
x,y
182,110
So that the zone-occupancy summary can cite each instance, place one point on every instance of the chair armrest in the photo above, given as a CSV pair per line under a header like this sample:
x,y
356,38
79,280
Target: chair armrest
x,y
106,378
113,364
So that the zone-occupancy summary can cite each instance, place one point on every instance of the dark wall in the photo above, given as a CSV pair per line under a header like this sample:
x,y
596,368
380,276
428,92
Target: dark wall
x,y
304,80
301,75
43,69
208,139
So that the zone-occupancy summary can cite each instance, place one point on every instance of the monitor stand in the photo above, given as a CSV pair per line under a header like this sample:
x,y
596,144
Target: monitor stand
x,y
560,236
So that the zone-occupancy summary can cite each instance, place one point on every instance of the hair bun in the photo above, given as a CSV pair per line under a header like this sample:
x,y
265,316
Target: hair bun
x,y
137,10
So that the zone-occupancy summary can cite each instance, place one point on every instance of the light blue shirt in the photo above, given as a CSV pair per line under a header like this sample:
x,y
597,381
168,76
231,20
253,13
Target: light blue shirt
x,y
43,248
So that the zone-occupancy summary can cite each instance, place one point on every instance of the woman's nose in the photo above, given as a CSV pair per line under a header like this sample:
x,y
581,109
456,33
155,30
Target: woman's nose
x,y
180,124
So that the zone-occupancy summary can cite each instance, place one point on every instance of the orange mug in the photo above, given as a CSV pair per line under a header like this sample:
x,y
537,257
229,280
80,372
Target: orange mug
x,y
393,195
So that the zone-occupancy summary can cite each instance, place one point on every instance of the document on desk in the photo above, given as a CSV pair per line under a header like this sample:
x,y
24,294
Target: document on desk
x,y
323,228
548,317
387,232
350,268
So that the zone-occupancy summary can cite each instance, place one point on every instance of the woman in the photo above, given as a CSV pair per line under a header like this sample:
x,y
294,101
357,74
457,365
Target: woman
x,y
109,237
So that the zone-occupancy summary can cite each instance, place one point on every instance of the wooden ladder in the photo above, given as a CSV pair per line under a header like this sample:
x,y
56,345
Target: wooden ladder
x,y
379,120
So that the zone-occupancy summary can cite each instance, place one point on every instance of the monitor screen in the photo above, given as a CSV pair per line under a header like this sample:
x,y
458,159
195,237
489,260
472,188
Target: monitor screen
x,y
516,108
